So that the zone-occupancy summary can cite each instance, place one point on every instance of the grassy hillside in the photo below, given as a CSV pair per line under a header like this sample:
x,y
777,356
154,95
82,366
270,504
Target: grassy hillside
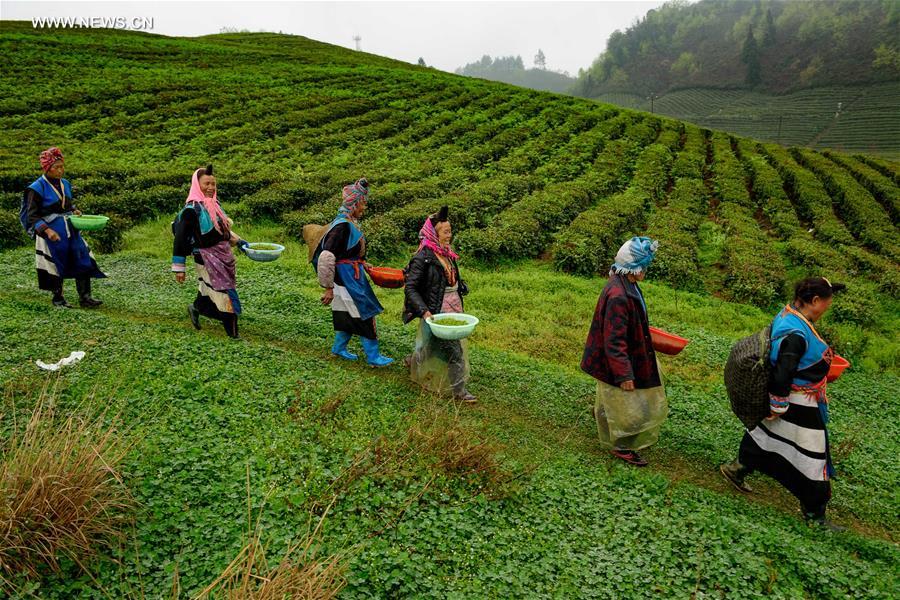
x,y
868,120
773,46
513,497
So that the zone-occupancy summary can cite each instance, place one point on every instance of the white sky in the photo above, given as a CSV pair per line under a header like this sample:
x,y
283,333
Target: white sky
x,y
446,34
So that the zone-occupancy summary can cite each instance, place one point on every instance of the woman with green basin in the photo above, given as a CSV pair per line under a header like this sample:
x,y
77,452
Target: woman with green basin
x,y
433,286
203,230
60,251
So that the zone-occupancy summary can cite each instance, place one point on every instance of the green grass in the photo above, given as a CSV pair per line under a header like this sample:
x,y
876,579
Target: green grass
x,y
204,409
287,121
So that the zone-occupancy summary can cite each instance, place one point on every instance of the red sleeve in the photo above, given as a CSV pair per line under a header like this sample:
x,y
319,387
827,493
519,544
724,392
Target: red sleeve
x,y
615,339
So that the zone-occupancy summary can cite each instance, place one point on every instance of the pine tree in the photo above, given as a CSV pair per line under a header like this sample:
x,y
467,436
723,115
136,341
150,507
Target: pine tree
x,y
769,31
750,57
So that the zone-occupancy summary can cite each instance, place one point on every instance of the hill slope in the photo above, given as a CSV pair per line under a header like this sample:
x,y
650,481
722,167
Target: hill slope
x,y
513,498
771,46
848,119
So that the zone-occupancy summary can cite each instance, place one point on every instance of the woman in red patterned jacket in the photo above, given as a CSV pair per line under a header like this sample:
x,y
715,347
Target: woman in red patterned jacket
x,y
631,402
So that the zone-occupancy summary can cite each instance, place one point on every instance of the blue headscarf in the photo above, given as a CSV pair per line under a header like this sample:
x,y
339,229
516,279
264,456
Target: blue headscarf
x,y
635,256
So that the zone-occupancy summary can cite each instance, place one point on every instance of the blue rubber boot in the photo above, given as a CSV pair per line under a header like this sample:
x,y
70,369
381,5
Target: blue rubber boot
x,y
373,355
339,348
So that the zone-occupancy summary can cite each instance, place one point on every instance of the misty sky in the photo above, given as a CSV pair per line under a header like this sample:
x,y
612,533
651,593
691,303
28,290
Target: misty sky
x,y
446,34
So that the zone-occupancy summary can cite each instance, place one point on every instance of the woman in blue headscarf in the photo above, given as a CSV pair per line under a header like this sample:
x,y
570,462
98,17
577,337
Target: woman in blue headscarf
x,y
631,402
339,262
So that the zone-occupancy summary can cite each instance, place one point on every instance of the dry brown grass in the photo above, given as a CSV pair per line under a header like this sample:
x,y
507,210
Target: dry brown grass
x,y
61,494
300,574
436,442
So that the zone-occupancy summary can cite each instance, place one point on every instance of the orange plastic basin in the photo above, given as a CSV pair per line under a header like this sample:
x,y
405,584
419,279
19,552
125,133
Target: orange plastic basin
x,y
667,343
386,277
838,364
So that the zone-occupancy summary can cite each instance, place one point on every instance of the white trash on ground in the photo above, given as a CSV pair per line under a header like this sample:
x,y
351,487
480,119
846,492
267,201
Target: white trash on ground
x,y
69,360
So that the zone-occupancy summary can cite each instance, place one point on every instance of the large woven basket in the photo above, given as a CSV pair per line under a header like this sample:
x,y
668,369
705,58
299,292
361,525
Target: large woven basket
x,y
747,377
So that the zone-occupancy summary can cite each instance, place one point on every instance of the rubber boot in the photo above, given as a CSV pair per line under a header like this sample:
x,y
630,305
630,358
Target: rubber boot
x,y
84,293
194,314
339,348
231,328
373,354
60,300
817,519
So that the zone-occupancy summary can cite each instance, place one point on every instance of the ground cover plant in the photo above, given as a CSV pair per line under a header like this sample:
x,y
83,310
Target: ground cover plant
x,y
411,495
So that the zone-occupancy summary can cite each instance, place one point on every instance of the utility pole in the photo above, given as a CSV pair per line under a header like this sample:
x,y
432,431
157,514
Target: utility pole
x,y
357,39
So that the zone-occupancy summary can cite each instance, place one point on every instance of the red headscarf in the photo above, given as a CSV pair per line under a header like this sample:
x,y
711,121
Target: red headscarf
x,y
50,156
220,221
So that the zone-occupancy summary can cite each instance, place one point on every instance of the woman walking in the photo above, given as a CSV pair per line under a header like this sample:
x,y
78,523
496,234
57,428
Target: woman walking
x,y
203,230
631,402
340,266
433,285
60,251
791,444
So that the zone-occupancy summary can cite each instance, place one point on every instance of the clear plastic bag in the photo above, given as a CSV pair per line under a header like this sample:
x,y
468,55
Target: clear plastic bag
x,y
629,420
439,366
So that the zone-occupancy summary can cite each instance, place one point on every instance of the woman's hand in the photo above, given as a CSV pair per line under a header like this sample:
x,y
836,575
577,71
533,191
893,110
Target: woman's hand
x,y
328,296
627,386
51,235
427,315
179,277
76,212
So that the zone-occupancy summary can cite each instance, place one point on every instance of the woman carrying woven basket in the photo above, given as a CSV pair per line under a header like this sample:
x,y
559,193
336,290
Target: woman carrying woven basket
x,y
791,444
340,265
631,402
433,286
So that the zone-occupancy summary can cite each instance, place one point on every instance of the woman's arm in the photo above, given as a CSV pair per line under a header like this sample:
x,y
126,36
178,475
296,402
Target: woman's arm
x,y
615,341
334,244
415,275
789,354
184,229
33,211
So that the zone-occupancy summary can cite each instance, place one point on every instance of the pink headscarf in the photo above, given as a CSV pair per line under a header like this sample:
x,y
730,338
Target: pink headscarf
x,y
211,205
429,238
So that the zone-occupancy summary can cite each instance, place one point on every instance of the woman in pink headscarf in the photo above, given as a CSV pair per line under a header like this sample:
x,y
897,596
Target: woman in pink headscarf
x,y
203,230
433,285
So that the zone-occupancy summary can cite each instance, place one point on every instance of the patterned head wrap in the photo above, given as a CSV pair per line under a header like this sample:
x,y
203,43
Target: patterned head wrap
x,y
353,194
635,256
50,156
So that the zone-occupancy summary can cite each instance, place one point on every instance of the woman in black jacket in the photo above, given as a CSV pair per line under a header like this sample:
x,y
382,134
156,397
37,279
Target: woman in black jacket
x,y
433,286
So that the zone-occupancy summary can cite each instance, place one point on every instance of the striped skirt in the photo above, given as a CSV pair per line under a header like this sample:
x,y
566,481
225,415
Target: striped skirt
x,y
793,449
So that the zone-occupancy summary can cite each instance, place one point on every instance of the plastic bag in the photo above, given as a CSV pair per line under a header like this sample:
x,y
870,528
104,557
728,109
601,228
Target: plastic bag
x,y
630,420
439,366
